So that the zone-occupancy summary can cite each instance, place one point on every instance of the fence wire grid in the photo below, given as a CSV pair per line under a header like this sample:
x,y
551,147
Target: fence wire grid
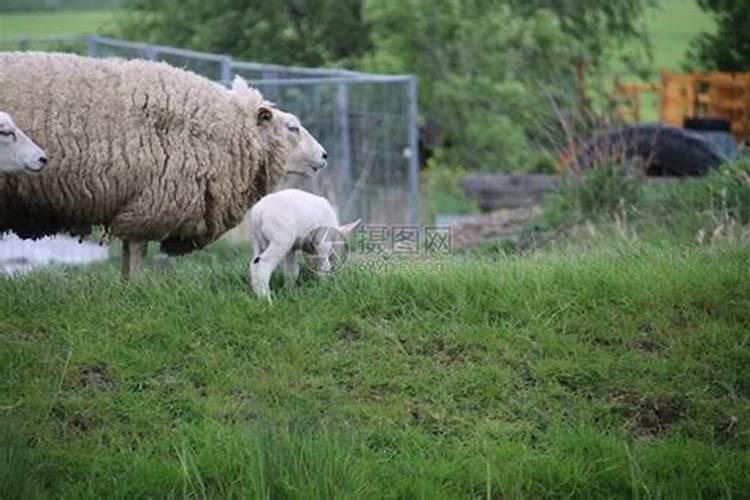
x,y
367,122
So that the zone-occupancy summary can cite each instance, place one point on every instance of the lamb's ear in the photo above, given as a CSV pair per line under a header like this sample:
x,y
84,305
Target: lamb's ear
x,y
239,83
347,229
264,114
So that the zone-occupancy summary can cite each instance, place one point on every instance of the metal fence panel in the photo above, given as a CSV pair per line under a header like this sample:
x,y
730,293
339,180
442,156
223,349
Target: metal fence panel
x,y
366,122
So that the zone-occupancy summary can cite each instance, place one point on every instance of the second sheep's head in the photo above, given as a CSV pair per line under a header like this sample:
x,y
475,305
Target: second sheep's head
x,y
305,154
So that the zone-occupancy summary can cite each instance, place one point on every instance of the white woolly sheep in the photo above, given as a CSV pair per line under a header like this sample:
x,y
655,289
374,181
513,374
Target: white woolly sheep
x,y
150,151
289,220
18,153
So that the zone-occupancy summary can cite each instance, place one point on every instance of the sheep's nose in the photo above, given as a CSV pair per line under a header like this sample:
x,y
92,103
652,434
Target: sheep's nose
x,y
325,155
43,160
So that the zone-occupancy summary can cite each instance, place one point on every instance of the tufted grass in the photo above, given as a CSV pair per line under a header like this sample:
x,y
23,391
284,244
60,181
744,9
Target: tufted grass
x,y
60,23
621,372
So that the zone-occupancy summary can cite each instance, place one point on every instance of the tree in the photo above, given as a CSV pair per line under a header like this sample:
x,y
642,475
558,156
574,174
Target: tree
x,y
480,69
299,32
728,49
487,68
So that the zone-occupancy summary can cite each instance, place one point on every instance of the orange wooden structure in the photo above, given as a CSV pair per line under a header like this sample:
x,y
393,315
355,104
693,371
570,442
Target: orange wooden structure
x,y
694,95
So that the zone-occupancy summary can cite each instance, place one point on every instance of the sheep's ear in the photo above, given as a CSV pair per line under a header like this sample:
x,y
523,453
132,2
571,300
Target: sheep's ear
x,y
264,114
347,229
239,83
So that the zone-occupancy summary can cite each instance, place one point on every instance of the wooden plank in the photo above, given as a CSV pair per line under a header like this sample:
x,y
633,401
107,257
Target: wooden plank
x,y
509,190
495,191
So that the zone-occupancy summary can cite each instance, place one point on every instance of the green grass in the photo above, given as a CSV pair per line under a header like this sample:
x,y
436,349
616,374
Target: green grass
x,y
615,373
61,23
614,201
671,26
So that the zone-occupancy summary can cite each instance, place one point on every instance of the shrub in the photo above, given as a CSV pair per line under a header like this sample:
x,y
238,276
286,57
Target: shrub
x,y
443,190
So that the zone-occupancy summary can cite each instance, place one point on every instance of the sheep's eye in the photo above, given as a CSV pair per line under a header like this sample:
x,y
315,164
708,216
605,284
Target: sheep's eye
x,y
8,133
293,128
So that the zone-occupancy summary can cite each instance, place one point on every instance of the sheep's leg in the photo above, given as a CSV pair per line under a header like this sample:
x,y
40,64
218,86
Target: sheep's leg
x,y
262,267
133,254
291,268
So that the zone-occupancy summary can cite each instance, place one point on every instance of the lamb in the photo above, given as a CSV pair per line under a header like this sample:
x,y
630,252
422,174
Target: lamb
x,y
18,153
289,220
150,151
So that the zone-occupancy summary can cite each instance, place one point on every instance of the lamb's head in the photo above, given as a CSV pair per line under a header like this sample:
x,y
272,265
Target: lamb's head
x,y
18,153
302,153
326,246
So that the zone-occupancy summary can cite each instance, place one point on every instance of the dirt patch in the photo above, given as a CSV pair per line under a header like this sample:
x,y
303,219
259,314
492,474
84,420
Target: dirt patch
x,y
73,420
82,423
654,417
484,228
348,333
97,377
447,351
649,417
647,346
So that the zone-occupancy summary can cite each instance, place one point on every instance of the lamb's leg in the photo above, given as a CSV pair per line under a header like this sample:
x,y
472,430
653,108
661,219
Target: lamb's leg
x,y
162,263
262,267
133,254
291,268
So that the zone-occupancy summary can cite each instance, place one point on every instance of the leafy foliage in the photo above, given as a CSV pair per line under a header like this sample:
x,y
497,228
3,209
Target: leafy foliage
x,y
485,66
312,33
443,190
728,49
481,70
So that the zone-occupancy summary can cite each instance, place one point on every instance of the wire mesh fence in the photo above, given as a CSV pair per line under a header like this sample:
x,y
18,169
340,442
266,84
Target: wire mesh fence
x,y
366,122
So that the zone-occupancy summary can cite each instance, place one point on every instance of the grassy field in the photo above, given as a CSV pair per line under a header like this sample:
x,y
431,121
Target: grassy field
x,y
61,23
671,26
621,372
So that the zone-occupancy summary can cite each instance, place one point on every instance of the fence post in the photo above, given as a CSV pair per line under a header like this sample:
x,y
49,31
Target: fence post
x,y
270,92
226,71
413,155
149,53
345,149
93,46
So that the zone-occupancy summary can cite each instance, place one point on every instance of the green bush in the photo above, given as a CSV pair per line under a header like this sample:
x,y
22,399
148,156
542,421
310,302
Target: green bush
x,y
727,189
443,192
616,200
610,186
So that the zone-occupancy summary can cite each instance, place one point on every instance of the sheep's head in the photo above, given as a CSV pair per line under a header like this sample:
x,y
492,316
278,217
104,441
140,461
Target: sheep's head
x,y
326,246
307,156
303,153
18,153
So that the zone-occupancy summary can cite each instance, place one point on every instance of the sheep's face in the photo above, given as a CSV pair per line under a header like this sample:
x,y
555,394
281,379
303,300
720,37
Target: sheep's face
x,y
18,153
306,155
326,246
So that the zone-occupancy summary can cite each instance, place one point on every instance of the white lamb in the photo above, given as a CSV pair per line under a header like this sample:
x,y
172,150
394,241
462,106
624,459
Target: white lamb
x,y
289,220
18,153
